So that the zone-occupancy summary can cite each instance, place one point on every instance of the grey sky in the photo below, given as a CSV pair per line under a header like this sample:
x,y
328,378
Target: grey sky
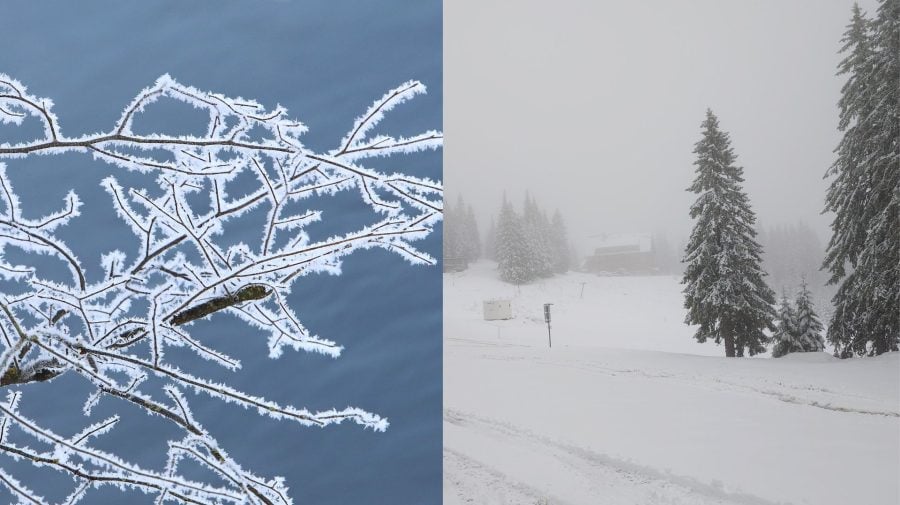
x,y
595,106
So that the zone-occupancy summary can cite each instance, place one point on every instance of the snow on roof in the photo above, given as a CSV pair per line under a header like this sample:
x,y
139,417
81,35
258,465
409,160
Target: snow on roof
x,y
620,242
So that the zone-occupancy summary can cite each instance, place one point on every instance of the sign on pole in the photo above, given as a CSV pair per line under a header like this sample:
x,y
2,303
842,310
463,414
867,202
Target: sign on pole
x,y
547,320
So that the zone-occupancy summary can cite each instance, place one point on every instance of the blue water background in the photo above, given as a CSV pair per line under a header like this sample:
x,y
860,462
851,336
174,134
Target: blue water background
x,y
325,61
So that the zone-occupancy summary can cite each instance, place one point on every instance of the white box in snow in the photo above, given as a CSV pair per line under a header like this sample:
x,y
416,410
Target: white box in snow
x,y
497,309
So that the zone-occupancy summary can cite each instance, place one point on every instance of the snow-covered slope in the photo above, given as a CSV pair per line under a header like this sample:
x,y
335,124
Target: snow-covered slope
x,y
627,409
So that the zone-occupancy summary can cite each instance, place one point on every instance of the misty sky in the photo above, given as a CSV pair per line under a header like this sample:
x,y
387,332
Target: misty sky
x,y
595,106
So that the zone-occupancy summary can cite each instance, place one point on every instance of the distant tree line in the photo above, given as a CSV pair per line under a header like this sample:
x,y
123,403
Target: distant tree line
x,y
793,252
528,245
462,241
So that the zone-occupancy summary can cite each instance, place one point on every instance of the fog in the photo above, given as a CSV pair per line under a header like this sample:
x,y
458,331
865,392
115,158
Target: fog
x,y
595,106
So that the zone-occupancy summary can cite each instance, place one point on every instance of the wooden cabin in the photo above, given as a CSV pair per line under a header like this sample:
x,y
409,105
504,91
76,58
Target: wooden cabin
x,y
454,264
621,254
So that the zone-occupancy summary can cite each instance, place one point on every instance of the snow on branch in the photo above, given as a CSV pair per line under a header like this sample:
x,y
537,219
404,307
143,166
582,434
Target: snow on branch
x,y
112,328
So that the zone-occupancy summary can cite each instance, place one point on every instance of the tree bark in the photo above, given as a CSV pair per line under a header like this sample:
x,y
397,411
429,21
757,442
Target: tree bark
x,y
729,346
245,294
729,340
48,369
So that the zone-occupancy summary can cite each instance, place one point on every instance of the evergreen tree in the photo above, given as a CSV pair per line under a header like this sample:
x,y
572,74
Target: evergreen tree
x,y
559,242
461,238
490,242
445,241
471,239
784,338
808,327
530,245
863,254
725,293
452,244
798,328
537,231
513,254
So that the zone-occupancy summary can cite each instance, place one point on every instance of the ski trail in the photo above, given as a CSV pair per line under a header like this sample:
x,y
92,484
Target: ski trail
x,y
567,472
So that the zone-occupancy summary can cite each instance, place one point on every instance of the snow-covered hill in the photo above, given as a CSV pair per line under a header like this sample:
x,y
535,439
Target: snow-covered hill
x,y
627,409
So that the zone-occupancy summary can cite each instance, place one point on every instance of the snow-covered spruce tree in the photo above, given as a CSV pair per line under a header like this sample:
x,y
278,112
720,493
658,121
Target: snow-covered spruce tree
x,y
452,240
513,254
490,241
471,237
114,323
798,328
559,241
846,194
461,238
784,339
725,293
537,232
807,325
863,255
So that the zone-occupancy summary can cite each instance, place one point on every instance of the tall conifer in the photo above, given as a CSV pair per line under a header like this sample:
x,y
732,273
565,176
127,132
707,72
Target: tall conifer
x,y
513,255
725,293
863,255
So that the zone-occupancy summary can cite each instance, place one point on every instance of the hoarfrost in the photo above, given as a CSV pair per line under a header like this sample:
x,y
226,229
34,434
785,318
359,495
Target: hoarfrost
x,y
113,329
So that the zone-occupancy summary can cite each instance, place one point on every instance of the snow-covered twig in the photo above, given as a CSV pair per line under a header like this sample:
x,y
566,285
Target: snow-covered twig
x,y
113,331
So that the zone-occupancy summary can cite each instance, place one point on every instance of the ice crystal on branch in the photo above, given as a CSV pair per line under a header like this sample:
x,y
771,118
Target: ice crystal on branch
x,y
113,330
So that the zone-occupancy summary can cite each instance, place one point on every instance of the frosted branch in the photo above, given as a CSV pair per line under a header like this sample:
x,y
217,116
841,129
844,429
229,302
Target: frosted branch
x,y
111,326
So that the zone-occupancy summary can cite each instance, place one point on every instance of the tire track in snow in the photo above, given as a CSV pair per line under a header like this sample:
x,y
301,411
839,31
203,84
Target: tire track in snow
x,y
706,382
611,480
468,481
796,400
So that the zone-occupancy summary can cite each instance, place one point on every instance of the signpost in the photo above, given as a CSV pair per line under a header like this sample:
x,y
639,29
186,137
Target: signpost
x,y
547,320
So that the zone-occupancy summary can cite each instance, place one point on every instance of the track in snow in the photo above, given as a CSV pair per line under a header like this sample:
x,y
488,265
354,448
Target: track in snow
x,y
605,479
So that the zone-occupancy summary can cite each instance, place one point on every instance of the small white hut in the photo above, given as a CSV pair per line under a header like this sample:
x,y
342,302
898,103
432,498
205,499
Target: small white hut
x,y
497,309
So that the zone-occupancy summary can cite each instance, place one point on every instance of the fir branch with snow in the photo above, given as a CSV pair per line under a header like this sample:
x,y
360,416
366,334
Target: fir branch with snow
x,y
112,327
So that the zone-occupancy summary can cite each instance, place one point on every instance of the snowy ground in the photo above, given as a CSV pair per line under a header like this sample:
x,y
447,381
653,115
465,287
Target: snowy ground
x,y
627,409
